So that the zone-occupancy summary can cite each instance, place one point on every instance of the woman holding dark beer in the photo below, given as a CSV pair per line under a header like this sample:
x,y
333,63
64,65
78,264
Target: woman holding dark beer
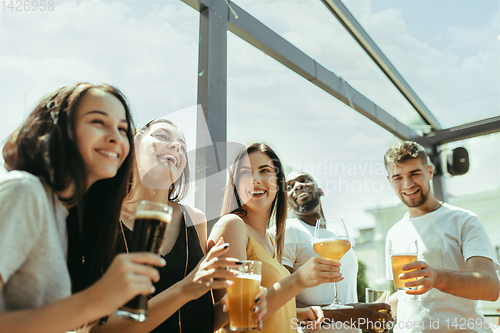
x,y
182,301
71,153
254,196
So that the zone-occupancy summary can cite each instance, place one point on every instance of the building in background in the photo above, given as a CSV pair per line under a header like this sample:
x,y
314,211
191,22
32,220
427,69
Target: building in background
x,y
370,245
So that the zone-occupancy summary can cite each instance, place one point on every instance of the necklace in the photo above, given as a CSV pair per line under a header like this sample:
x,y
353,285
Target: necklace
x,y
187,255
440,203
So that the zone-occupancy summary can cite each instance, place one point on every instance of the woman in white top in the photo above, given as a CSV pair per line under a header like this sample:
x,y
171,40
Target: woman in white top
x,y
71,156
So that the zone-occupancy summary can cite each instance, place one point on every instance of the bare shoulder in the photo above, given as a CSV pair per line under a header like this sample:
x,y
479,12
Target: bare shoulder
x,y
197,216
200,223
232,228
230,223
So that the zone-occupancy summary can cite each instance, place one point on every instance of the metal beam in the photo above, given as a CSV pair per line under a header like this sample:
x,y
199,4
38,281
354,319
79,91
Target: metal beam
x,y
364,40
212,119
263,38
466,131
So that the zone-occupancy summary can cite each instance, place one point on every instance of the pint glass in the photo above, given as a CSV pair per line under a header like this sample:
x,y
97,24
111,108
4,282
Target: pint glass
x,y
241,295
151,220
402,252
378,296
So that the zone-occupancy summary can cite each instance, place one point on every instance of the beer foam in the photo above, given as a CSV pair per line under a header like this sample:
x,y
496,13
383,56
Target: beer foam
x,y
249,276
151,214
404,255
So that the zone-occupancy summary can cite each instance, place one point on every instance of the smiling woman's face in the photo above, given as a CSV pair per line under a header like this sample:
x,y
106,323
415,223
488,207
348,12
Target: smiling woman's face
x,y
101,134
161,156
257,185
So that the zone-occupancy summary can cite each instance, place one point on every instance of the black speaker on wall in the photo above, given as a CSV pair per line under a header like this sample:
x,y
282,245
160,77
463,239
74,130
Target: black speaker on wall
x,y
458,161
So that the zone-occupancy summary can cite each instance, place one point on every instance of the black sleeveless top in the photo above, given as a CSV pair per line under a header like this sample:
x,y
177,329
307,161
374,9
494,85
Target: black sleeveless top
x,y
197,316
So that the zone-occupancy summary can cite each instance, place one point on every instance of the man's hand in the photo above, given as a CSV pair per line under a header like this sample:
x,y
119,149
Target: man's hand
x,y
362,316
427,277
480,282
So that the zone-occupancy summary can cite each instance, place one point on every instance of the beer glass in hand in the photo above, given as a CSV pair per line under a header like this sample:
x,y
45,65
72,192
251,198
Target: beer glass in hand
x,y
151,221
402,251
331,240
378,296
241,295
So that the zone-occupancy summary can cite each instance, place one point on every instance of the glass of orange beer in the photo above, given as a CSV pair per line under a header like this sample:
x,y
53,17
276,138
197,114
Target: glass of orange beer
x,y
331,240
241,295
402,251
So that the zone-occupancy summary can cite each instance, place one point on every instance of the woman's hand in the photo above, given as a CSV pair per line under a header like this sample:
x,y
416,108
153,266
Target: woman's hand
x,y
210,273
318,270
259,310
128,275
310,317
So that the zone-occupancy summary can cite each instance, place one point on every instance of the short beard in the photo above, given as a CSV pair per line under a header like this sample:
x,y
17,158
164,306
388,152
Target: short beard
x,y
308,206
420,202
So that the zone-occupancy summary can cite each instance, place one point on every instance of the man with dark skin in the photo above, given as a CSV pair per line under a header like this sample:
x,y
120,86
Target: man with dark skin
x,y
304,199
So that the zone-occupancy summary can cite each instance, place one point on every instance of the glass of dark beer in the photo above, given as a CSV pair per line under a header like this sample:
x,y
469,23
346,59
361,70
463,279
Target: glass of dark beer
x,y
151,221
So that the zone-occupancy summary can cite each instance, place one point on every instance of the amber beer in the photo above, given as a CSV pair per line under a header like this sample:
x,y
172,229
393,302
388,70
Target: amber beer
x,y
332,249
151,221
399,261
241,296
402,251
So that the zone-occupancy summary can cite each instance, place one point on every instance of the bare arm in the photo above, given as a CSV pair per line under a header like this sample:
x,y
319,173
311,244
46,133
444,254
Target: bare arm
x,y
479,283
126,277
200,223
232,229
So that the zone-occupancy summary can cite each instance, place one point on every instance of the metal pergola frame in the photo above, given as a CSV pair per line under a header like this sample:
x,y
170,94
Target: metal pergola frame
x,y
216,18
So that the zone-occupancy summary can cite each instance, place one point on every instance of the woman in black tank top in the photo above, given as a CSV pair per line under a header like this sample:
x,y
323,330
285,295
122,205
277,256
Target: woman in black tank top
x,y
182,301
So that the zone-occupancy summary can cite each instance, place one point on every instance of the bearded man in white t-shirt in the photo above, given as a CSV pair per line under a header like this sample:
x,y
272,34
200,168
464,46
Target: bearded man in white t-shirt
x,y
456,263
303,197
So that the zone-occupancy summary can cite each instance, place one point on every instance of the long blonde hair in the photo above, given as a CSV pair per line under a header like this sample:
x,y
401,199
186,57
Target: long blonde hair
x,y
179,189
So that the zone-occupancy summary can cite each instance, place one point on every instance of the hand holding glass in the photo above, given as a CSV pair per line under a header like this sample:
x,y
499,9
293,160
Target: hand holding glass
x,y
377,296
151,220
331,240
402,252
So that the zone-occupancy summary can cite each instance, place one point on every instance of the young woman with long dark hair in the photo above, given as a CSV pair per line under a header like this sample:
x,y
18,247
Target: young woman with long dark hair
x,y
70,157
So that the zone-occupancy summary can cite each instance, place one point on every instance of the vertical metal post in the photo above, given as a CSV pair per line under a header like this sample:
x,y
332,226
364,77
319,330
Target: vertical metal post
x,y
438,181
212,96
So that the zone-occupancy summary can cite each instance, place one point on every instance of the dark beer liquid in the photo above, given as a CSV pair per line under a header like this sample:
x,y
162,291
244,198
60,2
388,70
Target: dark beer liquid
x,y
147,236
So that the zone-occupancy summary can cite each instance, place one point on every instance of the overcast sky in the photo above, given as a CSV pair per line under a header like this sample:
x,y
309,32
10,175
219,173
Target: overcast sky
x,y
448,51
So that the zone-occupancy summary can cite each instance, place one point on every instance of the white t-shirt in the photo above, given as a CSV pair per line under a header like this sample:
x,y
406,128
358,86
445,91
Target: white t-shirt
x,y
33,243
446,238
298,250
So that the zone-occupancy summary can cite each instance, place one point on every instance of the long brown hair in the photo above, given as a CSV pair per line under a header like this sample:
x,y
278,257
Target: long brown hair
x,y
232,202
179,189
45,146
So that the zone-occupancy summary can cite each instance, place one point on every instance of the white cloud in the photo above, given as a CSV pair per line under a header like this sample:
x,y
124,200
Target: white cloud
x,y
150,50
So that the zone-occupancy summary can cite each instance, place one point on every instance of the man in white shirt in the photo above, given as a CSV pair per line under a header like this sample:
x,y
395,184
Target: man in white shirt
x,y
303,196
456,263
